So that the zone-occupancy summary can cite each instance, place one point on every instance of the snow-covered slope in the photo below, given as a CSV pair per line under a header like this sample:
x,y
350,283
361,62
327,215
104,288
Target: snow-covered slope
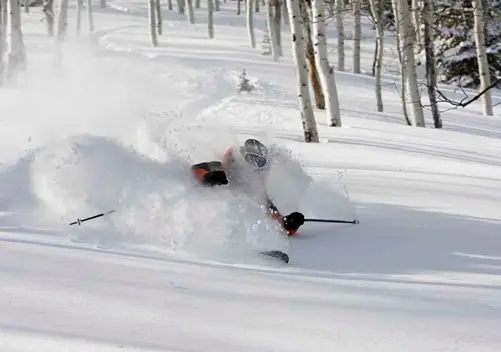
x,y
175,267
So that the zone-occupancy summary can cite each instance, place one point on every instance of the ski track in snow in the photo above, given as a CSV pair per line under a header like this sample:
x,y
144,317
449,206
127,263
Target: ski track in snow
x,y
421,272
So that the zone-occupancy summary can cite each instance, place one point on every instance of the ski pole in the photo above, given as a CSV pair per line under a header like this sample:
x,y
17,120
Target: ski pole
x,y
79,221
333,221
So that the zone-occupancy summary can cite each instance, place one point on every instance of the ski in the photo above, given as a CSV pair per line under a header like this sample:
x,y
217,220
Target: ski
x,y
277,255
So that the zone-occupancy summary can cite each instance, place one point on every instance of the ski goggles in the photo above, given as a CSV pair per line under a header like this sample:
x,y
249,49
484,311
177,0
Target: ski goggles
x,y
256,160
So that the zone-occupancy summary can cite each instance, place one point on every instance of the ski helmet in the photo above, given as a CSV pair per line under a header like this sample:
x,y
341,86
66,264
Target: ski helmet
x,y
255,153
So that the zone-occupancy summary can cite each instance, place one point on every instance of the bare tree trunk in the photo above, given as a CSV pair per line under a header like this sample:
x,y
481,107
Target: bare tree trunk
x,y
3,10
26,6
340,34
153,24
48,10
307,115
90,15
62,21
239,7
210,22
483,65
327,76
277,19
285,12
431,76
406,34
217,6
197,4
401,61
169,5
256,5
272,30
357,35
158,13
305,8
180,6
416,22
374,59
79,16
102,3
377,13
249,4
191,11
62,28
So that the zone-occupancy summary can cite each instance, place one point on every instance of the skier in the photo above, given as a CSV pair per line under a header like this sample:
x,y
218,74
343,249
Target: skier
x,y
245,168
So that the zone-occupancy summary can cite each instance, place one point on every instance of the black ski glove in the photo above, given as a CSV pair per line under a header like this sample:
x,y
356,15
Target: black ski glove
x,y
293,221
215,178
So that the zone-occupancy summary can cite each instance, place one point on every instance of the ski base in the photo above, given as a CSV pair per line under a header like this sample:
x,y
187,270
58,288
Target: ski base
x,y
277,255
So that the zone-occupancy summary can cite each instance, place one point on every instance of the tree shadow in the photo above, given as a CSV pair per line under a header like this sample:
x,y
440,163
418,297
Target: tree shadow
x,y
398,240
430,150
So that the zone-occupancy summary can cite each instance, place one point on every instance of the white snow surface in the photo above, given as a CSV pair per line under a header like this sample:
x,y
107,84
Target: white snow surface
x,y
175,267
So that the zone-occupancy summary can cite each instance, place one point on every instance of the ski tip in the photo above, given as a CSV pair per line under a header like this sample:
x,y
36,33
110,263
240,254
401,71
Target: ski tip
x,y
280,255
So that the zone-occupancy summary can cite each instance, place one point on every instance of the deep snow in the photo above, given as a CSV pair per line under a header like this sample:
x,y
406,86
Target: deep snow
x,y
174,268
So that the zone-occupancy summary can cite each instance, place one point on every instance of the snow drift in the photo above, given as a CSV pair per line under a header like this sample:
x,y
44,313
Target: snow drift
x,y
157,204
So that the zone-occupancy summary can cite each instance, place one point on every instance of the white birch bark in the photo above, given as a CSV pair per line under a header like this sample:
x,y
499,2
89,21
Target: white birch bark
x,y
340,34
210,22
272,30
403,90
15,49
305,8
190,13
406,34
62,20
90,15
61,30
158,13
48,10
79,16
416,21
152,19
3,10
326,71
356,35
249,7
431,75
483,65
376,9
307,115
285,13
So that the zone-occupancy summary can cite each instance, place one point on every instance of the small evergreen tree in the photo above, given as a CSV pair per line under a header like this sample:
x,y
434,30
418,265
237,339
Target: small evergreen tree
x,y
244,84
266,45
455,42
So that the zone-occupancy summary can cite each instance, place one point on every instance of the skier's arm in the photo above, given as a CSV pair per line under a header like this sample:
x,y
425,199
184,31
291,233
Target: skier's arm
x,y
274,212
290,223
